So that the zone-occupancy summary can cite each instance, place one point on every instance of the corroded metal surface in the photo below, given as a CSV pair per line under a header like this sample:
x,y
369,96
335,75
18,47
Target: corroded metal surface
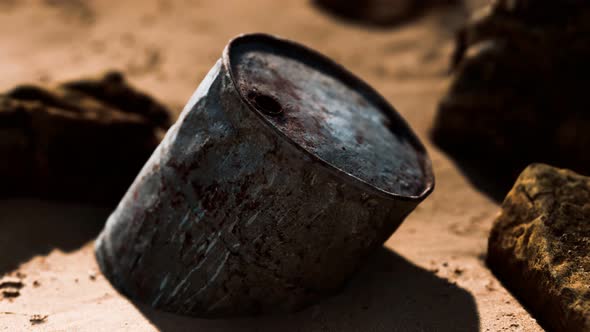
x,y
251,204
334,121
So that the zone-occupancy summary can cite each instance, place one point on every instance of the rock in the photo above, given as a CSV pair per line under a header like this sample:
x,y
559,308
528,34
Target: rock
x,y
519,91
378,12
81,141
540,246
38,319
10,287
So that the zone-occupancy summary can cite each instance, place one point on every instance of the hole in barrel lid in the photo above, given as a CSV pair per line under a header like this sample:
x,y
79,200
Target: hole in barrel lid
x,y
265,103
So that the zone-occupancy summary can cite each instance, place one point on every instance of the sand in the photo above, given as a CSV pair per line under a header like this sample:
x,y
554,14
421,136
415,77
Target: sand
x,y
430,276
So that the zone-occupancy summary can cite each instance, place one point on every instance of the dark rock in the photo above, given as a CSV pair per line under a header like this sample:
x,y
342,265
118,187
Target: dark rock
x,y
519,94
82,141
378,12
540,246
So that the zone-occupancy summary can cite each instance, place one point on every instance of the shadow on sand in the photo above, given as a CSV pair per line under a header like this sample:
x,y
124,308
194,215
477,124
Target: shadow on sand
x,y
487,176
31,227
388,294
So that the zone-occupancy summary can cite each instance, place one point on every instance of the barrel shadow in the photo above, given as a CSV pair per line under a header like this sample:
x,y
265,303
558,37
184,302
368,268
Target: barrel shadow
x,y
388,294
487,176
32,227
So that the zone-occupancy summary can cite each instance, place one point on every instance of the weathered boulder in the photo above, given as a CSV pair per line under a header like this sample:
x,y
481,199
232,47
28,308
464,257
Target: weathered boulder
x,y
540,246
519,91
83,141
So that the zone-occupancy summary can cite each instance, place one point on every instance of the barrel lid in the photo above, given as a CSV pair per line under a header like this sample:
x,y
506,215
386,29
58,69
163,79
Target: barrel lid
x,y
329,113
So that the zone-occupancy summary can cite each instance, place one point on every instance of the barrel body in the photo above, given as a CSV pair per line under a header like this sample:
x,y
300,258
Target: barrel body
x,y
228,217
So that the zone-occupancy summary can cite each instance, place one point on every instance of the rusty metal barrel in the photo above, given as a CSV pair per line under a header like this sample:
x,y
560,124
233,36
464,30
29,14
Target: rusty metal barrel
x,y
282,173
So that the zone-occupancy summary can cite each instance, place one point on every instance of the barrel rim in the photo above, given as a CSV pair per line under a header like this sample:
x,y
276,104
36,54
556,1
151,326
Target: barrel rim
x,y
346,77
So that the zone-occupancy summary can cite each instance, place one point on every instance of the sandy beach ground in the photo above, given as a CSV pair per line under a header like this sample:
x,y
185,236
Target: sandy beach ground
x,y
430,276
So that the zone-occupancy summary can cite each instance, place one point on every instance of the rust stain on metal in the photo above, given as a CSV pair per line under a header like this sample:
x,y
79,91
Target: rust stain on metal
x,y
329,116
